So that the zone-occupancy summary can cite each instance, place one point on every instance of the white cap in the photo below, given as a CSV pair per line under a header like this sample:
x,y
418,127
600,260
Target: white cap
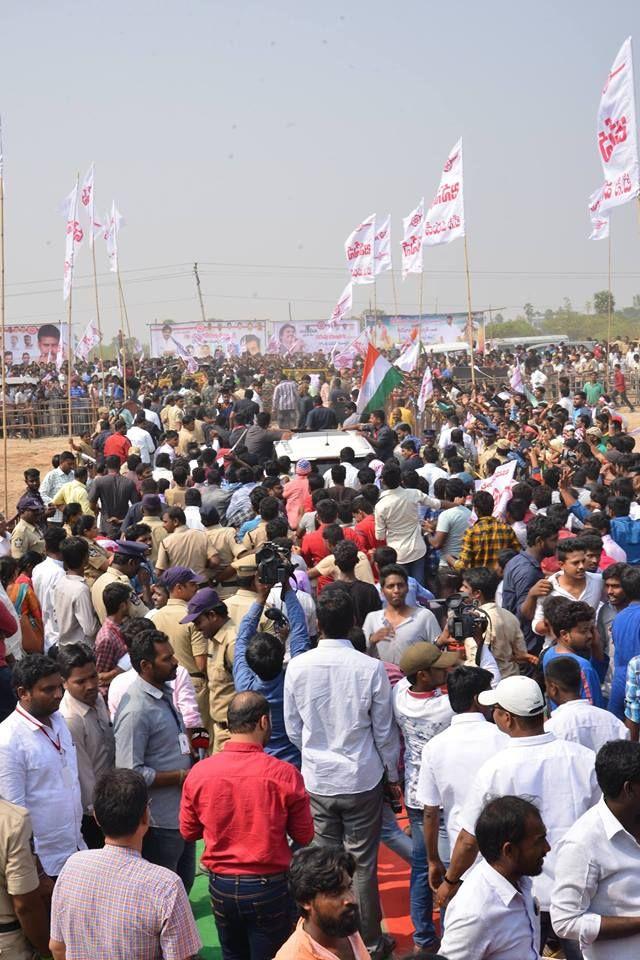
x,y
518,695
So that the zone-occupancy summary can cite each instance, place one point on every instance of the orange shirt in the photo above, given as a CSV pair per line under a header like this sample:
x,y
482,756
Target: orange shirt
x,y
300,946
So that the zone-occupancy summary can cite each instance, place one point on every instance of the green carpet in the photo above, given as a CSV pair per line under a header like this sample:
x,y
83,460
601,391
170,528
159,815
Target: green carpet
x,y
201,906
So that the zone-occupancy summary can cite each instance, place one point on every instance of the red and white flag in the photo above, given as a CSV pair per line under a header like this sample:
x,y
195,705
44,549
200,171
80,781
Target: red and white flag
x,y
113,222
599,224
87,200
408,359
90,339
358,248
411,245
357,348
426,389
382,247
444,221
516,381
616,133
343,306
74,236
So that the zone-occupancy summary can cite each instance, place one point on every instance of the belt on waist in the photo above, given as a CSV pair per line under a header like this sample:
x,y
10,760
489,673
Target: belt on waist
x,y
9,927
248,877
199,674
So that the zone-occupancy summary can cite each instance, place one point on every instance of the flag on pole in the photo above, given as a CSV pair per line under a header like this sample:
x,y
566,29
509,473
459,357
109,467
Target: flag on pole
x,y
426,389
516,382
408,359
90,339
357,348
599,224
358,248
343,306
382,247
74,235
379,378
87,201
411,244
616,133
113,222
444,221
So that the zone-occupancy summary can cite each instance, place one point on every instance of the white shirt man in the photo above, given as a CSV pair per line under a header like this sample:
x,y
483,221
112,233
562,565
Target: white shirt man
x,y
38,770
581,722
397,521
351,479
45,577
74,610
597,870
143,440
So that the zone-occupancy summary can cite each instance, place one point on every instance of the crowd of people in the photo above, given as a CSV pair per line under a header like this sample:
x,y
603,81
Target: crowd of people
x,y
207,646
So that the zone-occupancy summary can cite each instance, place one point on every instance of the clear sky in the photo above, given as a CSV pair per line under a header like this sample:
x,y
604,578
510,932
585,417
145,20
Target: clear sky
x,y
254,136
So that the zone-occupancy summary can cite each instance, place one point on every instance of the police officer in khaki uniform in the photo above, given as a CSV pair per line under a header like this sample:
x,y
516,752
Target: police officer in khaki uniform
x,y
183,547
209,615
24,921
26,535
189,645
125,565
239,603
152,516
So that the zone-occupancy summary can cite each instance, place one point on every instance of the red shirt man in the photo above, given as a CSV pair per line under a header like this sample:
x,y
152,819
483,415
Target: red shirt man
x,y
117,445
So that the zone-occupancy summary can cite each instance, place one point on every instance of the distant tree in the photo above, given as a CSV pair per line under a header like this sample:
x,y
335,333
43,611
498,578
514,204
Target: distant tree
x,y
601,302
588,307
529,312
567,306
636,302
511,328
498,318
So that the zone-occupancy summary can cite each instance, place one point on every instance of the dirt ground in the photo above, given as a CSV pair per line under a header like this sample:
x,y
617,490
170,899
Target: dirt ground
x,y
37,453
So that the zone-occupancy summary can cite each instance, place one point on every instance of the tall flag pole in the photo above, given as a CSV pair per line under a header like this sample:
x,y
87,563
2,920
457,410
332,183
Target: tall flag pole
x,y
74,235
87,199
445,223
113,224
411,245
2,323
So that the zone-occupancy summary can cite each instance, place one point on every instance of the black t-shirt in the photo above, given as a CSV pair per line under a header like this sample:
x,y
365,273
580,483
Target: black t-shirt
x,y
321,418
364,595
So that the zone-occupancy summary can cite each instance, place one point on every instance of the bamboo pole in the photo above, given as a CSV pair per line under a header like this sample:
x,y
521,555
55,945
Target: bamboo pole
x,y
4,369
395,292
609,313
98,320
123,312
470,317
199,289
69,314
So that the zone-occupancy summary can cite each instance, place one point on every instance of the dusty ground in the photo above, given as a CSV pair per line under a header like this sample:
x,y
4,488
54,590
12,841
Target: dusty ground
x,y
38,453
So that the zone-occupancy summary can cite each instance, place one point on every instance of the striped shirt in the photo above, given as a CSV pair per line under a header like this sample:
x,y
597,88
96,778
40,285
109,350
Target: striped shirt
x,y
110,904
285,396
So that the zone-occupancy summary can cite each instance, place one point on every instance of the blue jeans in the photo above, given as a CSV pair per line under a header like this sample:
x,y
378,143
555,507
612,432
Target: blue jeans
x,y
416,569
420,897
254,915
393,837
166,848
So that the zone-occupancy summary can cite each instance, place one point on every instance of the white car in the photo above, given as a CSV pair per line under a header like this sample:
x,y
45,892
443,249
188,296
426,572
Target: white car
x,y
323,447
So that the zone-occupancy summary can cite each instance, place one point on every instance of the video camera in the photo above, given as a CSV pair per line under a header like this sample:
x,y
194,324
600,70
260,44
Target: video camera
x,y
273,564
464,617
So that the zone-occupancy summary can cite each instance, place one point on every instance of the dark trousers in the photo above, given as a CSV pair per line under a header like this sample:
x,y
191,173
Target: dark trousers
x,y
167,849
254,915
571,948
93,835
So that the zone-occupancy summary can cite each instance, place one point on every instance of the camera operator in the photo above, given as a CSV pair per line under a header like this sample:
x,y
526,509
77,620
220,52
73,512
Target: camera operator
x,y
258,662
465,630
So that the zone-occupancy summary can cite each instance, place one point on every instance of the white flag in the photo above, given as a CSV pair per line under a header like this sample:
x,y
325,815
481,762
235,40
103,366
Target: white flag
x,y
599,224
444,221
382,247
90,339
408,359
357,348
358,248
87,199
112,227
616,133
413,228
516,382
426,390
343,306
74,235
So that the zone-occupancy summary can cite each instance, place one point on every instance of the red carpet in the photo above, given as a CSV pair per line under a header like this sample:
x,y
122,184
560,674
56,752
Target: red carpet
x,y
393,878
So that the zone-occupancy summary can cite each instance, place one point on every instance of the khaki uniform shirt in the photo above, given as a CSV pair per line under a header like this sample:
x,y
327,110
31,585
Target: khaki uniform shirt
x,y
185,437
239,604
255,538
93,739
25,538
184,548
220,671
98,562
112,575
187,642
327,568
18,873
158,533
174,418
175,496
222,540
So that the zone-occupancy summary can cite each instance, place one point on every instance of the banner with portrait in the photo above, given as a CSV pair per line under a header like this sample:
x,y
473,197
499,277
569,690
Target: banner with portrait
x,y
387,332
33,342
215,338
311,336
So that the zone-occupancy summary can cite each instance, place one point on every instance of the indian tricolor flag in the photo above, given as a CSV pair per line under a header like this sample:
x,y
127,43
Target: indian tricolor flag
x,y
379,378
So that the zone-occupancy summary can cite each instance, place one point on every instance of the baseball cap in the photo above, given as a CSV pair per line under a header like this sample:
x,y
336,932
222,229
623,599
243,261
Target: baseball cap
x,y
518,695
423,656
29,503
175,575
204,600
